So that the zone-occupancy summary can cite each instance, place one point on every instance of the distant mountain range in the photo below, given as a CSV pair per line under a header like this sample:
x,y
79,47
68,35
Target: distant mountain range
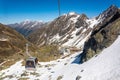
x,y
27,26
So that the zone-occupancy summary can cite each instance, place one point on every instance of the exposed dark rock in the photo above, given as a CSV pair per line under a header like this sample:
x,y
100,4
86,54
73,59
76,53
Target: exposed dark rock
x,y
78,77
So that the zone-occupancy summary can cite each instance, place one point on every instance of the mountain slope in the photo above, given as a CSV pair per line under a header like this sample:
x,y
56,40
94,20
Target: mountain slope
x,y
11,43
67,30
105,66
104,34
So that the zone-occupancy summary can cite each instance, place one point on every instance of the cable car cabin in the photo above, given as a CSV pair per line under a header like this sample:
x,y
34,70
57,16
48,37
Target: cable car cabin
x,y
31,63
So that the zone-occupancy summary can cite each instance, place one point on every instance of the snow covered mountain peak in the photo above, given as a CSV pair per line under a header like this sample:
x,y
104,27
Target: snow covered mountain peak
x,y
27,21
71,13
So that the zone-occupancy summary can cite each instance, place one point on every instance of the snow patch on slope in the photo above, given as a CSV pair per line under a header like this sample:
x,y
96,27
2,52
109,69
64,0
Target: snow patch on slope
x,y
74,19
72,13
55,38
4,39
78,40
92,22
16,69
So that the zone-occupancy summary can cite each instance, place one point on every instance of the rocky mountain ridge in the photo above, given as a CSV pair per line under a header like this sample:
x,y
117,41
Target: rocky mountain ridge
x,y
104,34
67,30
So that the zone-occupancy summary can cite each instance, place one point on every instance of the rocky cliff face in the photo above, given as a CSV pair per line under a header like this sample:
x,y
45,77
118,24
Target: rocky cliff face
x,y
103,34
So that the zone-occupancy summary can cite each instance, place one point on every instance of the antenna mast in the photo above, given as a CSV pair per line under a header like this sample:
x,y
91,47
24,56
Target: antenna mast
x,y
59,7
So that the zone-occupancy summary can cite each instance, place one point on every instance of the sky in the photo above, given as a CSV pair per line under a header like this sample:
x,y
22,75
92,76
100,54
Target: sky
x,y
15,11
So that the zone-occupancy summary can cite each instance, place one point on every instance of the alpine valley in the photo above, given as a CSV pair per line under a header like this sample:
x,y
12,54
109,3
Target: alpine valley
x,y
75,47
